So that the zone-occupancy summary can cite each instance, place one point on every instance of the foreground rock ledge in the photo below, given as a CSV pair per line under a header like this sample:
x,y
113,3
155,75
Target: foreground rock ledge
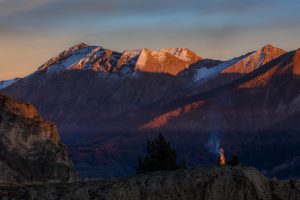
x,y
30,147
213,183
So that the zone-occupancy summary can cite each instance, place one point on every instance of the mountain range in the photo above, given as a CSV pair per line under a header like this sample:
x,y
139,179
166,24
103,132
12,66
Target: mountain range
x,y
106,104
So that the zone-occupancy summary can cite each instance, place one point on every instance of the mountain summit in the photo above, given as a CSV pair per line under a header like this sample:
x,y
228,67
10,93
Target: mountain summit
x,y
96,58
169,61
255,59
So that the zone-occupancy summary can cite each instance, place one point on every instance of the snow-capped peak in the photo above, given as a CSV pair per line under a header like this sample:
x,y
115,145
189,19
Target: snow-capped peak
x,y
78,46
99,59
241,65
182,53
66,59
206,73
82,57
255,60
95,58
170,61
129,57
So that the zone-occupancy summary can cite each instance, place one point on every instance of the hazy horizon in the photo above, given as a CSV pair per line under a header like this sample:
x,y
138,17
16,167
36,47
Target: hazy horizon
x,y
31,33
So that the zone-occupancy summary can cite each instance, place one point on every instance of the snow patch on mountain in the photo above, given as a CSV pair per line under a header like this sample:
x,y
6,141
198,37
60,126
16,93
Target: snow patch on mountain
x,y
168,61
243,64
182,53
66,59
99,59
255,59
129,58
6,83
205,73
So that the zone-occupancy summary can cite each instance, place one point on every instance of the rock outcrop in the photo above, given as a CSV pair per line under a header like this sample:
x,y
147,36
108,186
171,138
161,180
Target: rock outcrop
x,y
210,184
31,150
169,61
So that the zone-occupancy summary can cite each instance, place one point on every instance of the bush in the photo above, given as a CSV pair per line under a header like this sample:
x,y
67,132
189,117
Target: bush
x,y
160,156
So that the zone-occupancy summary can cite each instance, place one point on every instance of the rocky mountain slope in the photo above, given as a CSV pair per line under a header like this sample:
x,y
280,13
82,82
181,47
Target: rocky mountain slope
x,y
169,61
6,83
107,104
82,57
255,59
267,95
258,111
31,150
210,184
102,85
228,71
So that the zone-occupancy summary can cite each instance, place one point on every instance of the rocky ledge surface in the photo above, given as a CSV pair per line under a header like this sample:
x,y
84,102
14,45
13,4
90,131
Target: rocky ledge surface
x,y
30,147
218,183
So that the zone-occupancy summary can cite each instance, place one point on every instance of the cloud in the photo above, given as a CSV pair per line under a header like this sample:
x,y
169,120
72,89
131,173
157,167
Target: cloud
x,y
11,7
54,8
213,28
122,14
85,17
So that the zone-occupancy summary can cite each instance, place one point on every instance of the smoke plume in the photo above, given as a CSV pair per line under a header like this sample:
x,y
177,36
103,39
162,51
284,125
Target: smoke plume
x,y
213,143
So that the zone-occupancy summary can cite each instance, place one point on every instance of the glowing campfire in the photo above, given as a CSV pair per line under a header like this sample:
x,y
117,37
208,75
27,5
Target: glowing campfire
x,y
222,160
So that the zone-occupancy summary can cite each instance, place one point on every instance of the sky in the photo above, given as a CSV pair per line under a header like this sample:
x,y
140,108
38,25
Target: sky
x,y
31,31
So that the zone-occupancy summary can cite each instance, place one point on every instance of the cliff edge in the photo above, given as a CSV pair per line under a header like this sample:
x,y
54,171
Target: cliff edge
x,y
230,183
30,147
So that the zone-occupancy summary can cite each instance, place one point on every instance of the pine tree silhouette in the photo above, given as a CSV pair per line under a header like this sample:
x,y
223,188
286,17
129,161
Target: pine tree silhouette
x,y
160,156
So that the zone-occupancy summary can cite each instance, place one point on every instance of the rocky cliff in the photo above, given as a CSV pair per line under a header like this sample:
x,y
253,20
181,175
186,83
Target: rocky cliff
x,y
210,184
31,150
